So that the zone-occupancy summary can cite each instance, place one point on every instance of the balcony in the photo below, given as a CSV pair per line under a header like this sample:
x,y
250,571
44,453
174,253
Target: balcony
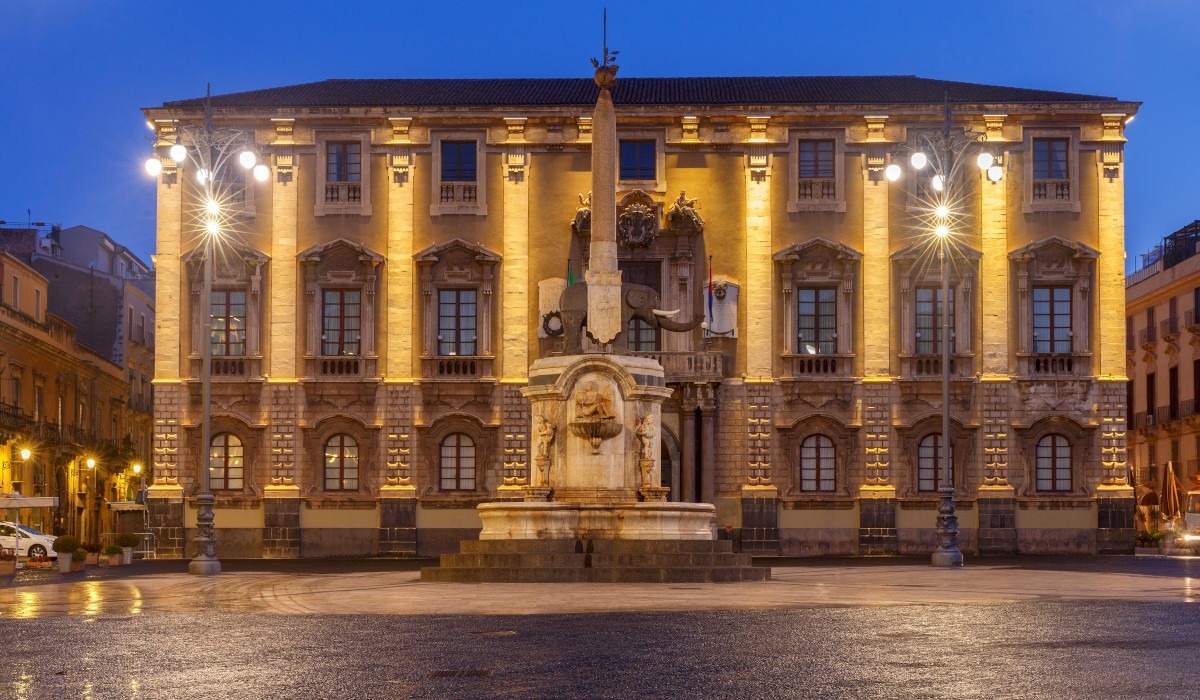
x,y
228,367
1052,190
348,194
340,367
459,368
685,366
930,366
1055,365
1148,336
458,193
1169,326
817,190
819,366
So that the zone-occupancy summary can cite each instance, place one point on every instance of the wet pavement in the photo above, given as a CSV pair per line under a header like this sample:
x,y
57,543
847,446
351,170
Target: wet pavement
x,y
1028,627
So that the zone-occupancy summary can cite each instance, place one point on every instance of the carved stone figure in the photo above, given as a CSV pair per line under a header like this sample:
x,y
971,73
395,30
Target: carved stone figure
x,y
683,214
582,223
646,433
544,435
592,401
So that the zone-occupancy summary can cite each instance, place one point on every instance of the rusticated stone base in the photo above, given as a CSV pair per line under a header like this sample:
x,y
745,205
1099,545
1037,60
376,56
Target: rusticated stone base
x,y
610,521
595,561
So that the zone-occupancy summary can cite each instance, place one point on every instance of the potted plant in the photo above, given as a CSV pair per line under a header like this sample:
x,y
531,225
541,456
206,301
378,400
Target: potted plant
x,y
127,541
93,553
39,562
113,556
8,561
78,560
66,546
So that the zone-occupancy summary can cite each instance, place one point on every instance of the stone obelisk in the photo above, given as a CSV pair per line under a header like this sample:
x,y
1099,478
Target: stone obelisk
x,y
603,277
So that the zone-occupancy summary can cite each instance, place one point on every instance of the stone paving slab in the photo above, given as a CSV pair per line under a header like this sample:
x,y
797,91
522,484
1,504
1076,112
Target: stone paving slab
x,y
402,592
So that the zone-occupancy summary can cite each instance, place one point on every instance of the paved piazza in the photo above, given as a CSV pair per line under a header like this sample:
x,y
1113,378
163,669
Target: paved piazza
x,y
1040,627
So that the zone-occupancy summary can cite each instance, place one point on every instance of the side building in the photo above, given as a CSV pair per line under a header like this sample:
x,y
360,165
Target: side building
x,y
1162,345
61,405
402,265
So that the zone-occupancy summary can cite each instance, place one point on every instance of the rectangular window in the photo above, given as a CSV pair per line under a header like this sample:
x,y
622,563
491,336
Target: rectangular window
x,y
343,161
929,320
816,158
456,322
16,292
16,387
341,329
1173,393
228,338
458,161
1052,320
37,305
1151,397
1151,322
816,322
1050,158
638,160
38,398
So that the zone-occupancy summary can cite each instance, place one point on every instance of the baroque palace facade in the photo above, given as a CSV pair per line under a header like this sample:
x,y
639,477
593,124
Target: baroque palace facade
x,y
391,282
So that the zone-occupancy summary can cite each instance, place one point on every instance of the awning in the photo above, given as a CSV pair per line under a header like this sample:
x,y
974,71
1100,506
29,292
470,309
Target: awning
x,y
9,501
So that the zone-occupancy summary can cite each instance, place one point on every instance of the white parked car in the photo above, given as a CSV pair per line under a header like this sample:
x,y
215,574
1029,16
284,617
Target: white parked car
x,y
33,543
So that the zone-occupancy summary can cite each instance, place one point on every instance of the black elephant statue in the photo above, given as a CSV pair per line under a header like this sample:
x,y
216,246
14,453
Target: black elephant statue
x,y
637,301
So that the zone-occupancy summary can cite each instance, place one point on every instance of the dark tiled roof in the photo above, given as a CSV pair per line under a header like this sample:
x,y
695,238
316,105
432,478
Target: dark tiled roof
x,y
552,92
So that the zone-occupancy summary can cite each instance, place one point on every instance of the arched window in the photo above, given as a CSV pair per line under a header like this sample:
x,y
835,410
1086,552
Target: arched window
x,y
341,463
225,463
931,473
1053,463
457,463
816,464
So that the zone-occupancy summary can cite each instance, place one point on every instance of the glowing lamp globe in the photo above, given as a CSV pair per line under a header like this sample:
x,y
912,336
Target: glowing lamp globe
x,y
178,153
985,160
938,183
942,231
995,173
261,172
892,172
153,166
212,207
25,453
919,160
942,211
212,227
247,159
202,176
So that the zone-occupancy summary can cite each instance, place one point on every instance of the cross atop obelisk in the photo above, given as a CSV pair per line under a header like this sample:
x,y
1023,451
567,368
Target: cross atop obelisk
x,y
603,277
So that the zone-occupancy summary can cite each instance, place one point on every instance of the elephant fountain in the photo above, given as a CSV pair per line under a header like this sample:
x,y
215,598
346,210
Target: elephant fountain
x,y
637,301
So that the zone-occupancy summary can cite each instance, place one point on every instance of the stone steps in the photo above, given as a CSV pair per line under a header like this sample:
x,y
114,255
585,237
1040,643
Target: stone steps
x,y
595,561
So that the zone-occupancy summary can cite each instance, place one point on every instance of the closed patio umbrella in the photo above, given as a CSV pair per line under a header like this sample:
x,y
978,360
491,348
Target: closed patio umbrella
x,y
1171,496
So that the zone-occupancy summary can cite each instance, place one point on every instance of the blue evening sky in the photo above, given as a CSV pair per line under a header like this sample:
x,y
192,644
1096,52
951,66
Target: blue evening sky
x,y
73,73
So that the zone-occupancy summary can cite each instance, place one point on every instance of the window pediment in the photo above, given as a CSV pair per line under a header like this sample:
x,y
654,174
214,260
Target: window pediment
x,y
234,264
457,262
818,258
1055,258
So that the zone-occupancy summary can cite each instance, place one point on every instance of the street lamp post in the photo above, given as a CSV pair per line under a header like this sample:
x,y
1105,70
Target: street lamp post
x,y
212,150
942,211
91,465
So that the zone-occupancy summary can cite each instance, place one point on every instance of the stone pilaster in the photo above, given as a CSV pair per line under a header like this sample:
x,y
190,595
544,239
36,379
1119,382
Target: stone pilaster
x,y
994,267
281,363
398,421
996,425
1115,501
1110,269
168,271
760,307
876,284
399,269
516,422
514,356
877,425
281,402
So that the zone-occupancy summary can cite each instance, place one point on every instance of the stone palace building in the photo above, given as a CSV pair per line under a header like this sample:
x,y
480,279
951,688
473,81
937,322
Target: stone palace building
x,y
377,308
